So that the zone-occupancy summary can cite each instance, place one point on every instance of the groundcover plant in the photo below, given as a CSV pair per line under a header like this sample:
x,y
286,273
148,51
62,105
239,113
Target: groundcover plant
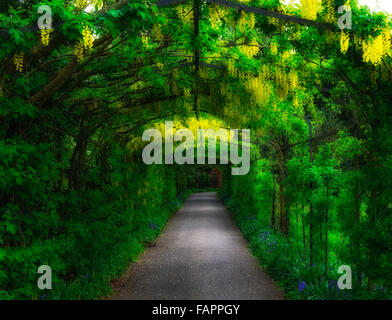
x,y
81,80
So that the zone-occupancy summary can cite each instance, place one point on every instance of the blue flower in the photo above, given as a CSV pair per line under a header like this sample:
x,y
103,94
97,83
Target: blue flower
x,y
264,235
43,296
152,226
301,285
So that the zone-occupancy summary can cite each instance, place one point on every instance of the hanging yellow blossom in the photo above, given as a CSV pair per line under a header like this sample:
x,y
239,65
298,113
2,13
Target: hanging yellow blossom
x,y
330,11
282,83
187,92
274,48
18,61
251,20
293,79
242,22
184,12
45,36
145,41
251,49
160,66
81,3
216,13
246,21
310,8
295,102
374,50
274,21
286,55
264,72
79,51
344,42
88,39
259,89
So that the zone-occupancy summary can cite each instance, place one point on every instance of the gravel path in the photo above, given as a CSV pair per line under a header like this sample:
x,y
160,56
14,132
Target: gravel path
x,y
200,255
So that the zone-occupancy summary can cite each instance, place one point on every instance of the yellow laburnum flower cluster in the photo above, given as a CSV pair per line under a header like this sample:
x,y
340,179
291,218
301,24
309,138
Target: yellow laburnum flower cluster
x,y
344,42
251,49
216,13
18,61
184,12
264,71
81,3
88,39
295,35
293,80
282,83
247,21
330,11
45,36
259,88
295,102
310,8
145,41
189,56
160,66
274,21
374,50
274,48
137,85
85,45
286,55
79,51
194,124
187,92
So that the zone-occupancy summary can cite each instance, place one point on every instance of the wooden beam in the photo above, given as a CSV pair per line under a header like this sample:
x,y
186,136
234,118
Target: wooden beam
x,y
268,13
260,11
164,3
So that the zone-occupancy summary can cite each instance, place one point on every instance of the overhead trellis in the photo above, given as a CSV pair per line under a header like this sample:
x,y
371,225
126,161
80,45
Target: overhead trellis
x,y
240,7
259,11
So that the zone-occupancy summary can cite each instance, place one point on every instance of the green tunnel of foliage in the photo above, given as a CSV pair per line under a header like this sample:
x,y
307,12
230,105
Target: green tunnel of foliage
x,y
75,195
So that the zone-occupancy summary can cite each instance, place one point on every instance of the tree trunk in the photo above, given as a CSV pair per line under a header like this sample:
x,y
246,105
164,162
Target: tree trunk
x,y
273,214
283,202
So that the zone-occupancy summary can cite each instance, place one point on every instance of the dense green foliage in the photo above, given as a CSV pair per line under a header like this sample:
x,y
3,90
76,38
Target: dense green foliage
x,y
74,101
87,238
287,258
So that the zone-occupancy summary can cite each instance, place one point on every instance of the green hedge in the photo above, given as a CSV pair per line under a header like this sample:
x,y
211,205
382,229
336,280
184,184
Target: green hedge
x,y
102,231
